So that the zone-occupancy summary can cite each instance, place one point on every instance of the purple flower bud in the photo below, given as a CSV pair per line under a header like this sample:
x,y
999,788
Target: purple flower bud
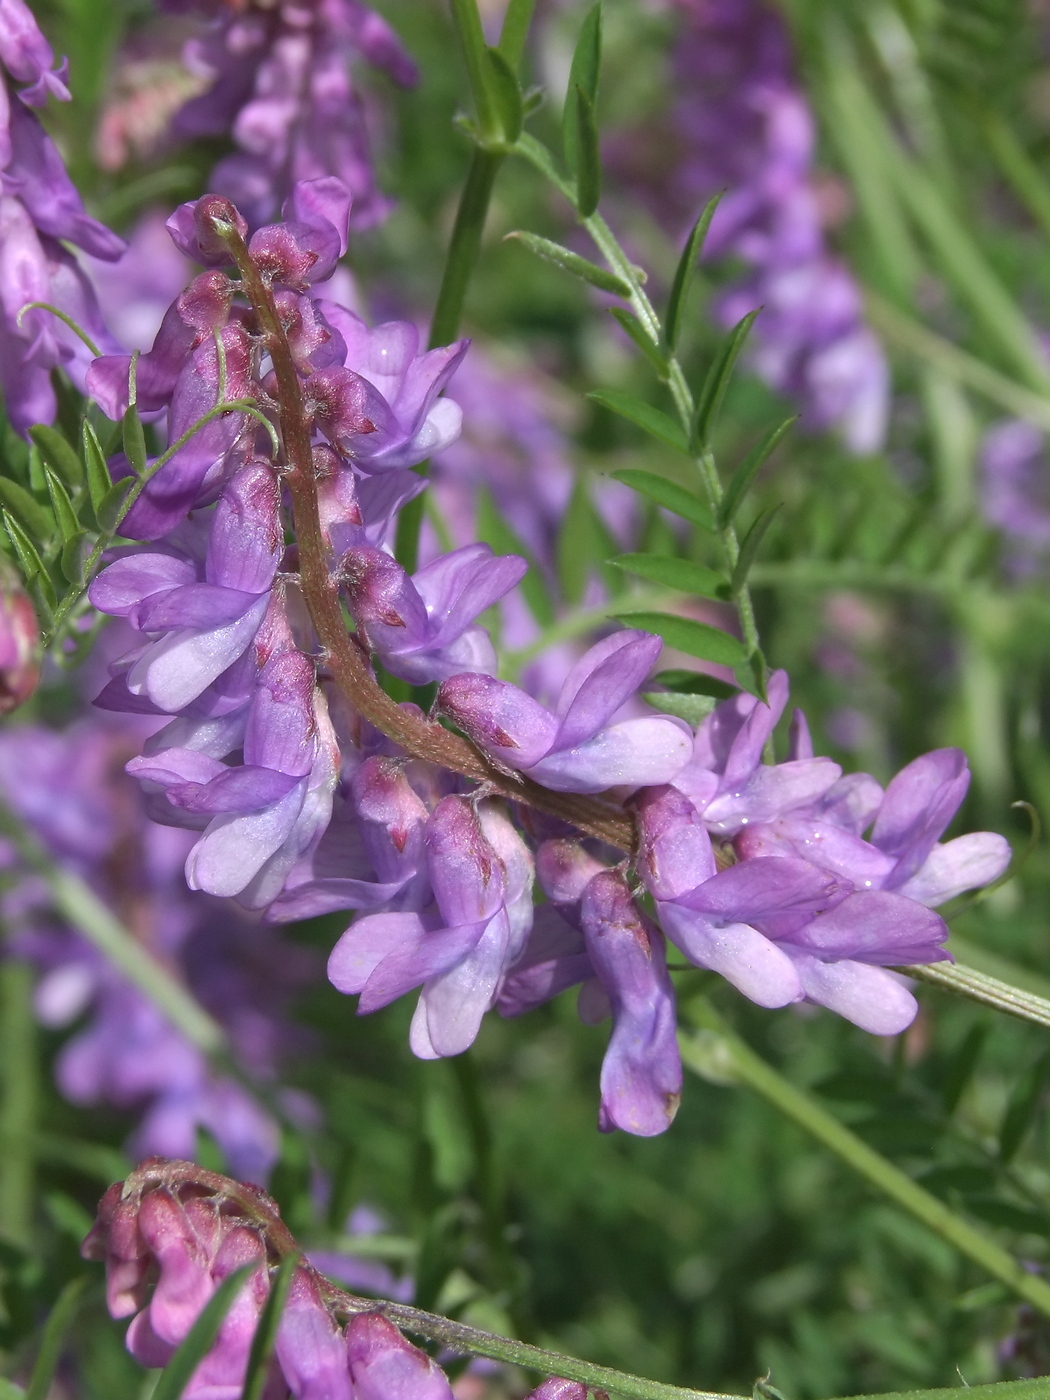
x,y
310,1349
384,1366
642,1072
558,1389
19,643
194,229
295,254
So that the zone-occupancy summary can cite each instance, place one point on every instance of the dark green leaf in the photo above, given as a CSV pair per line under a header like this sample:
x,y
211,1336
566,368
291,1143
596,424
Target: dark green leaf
x,y
58,454
572,262
1021,1110
694,638
109,508
505,94
674,573
28,557
756,664
98,478
586,62
36,518
266,1332
695,683
516,20
201,1337
717,381
65,515
588,155
942,1181
694,709
749,548
963,1064
1009,1216
71,560
746,472
493,530
651,420
134,440
684,271
668,494
55,1329
634,328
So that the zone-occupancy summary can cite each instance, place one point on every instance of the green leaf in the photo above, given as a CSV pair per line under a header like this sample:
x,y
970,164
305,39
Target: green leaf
x,y
668,494
55,1329
694,709
1021,1110
98,477
588,155
58,454
674,573
71,560
583,74
651,420
695,683
697,639
749,548
641,337
684,271
492,529
1008,1216
582,541
257,1373
963,1064
134,440
746,472
35,517
109,507
572,262
26,550
718,377
201,1337
65,515
505,94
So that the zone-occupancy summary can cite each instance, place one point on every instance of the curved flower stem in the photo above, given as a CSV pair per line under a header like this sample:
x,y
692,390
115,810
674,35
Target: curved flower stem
x,y
717,1054
607,244
412,731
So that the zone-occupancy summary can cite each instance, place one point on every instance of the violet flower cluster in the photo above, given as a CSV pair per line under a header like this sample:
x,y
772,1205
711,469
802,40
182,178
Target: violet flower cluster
x,y
40,211
74,799
279,82
741,124
172,1233
758,871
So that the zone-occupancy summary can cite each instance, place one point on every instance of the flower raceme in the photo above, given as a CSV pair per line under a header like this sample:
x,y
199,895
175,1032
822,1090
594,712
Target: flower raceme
x,y
303,802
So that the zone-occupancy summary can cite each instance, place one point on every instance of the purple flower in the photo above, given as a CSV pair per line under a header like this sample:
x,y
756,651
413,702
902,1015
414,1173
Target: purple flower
x,y
422,627
574,748
460,948
280,80
386,1367
28,57
1014,496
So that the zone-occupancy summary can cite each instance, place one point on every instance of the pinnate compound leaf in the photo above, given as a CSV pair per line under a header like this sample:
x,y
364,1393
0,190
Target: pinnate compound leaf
x,y
1022,1108
718,377
58,454
669,495
651,420
630,323
588,155
586,63
569,261
201,1337
747,471
26,508
257,1373
55,1329
697,639
505,94
684,272
98,477
749,548
684,574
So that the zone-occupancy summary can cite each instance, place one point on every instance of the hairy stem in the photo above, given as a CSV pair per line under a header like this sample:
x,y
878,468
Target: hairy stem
x,y
715,1053
412,731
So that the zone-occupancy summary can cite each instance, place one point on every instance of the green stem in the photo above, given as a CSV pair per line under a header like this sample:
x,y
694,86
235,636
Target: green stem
x,y
980,987
714,1052
18,1100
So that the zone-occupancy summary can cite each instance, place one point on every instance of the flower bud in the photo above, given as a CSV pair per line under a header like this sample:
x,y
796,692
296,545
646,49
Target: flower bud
x,y
195,229
558,1389
19,640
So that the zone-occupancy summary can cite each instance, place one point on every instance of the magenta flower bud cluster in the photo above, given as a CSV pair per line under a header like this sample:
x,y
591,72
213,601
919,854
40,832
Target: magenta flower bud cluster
x,y
171,1234
279,81
303,806
40,211
19,645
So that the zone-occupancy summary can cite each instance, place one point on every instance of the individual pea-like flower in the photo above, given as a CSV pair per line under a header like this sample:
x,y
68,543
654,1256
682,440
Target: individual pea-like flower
x,y
575,747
